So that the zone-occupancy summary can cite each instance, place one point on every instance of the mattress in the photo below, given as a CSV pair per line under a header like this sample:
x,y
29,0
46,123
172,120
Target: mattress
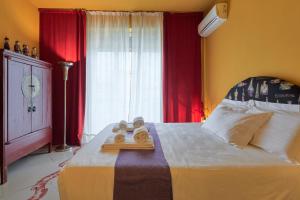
x,y
202,167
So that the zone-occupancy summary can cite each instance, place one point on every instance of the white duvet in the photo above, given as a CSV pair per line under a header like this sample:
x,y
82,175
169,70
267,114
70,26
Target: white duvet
x,y
202,167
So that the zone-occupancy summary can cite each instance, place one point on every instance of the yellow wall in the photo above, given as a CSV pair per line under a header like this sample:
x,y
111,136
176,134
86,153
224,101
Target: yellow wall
x,y
19,20
261,37
126,5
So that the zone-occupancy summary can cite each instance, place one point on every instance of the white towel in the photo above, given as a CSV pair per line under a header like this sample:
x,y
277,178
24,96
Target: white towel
x,y
141,135
123,125
120,136
129,128
116,128
138,122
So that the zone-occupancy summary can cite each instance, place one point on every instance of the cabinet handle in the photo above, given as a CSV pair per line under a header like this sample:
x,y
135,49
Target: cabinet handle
x,y
32,87
29,109
33,109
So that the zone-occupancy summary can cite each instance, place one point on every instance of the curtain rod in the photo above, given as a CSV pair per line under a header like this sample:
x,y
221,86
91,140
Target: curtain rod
x,y
83,9
146,11
62,9
86,10
125,11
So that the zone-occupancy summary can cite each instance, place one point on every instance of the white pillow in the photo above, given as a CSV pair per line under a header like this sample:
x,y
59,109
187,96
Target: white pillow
x,y
277,106
280,135
237,104
235,126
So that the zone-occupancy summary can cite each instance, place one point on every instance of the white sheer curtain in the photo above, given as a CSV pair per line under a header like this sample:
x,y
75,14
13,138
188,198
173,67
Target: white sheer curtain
x,y
124,68
108,69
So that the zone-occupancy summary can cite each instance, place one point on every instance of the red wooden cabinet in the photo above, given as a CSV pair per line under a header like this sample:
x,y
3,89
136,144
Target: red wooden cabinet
x,y
26,107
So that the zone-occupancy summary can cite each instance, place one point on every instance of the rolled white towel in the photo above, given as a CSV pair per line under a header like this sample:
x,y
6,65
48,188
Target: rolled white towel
x,y
138,122
141,135
123,125
120,136
116,128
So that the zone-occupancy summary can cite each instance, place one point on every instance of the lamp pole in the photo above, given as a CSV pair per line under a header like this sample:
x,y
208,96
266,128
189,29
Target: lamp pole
x,y
65,66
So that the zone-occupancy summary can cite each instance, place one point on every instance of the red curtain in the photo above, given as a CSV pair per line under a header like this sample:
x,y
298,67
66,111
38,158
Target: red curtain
x,y
182,68
63,38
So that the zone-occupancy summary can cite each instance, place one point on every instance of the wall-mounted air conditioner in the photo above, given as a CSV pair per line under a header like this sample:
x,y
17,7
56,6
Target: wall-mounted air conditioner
x,y
215,18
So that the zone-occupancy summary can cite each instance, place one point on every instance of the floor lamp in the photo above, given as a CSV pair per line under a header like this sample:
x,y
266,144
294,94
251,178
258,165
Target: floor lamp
x,y
65,66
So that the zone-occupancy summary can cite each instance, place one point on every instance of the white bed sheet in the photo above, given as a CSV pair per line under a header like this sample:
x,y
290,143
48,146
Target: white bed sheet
x,y
202,167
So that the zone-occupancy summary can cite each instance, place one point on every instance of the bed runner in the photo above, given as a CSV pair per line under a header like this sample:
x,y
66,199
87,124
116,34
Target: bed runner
x,y
143,174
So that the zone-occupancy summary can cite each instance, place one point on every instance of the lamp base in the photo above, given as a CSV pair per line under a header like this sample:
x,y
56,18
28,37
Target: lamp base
x,y
63,147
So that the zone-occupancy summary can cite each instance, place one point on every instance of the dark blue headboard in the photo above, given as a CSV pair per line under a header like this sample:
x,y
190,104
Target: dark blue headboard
x,y
266,89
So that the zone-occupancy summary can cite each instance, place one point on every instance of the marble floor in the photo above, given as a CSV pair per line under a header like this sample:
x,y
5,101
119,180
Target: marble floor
x,y
34,177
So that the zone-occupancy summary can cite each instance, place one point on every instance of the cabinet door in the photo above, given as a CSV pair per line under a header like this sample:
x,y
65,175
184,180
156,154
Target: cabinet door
x,y
19,99
41,98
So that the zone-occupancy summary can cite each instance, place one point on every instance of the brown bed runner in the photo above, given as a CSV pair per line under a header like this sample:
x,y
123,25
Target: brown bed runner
x,y
143,174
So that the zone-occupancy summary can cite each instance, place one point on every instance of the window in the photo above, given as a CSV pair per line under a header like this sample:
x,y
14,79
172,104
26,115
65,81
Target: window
x,y
124,68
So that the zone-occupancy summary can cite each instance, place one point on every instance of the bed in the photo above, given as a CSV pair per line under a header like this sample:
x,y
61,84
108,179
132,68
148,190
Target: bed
x,y
202,166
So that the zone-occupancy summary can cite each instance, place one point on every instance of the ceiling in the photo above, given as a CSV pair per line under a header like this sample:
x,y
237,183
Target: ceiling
x,y
127,5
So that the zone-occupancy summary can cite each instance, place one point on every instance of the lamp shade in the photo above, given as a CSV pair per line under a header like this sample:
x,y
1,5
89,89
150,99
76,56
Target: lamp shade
x,y
66,66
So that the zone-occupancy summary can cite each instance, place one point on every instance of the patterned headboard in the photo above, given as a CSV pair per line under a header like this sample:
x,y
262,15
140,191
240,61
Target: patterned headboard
x,y
266,89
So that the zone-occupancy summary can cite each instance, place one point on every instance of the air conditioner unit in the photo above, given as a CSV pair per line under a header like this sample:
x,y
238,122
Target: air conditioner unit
x,y
215,18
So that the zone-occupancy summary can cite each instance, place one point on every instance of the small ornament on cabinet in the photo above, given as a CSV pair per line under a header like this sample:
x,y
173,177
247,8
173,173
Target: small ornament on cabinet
x,y
17,47
25,50
34,53
6,43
